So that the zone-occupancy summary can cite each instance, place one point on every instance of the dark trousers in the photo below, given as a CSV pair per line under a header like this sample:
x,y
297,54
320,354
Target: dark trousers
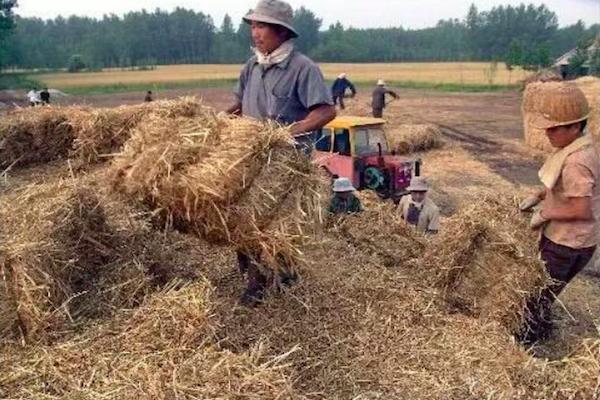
x,y
341,101
563,264
378,113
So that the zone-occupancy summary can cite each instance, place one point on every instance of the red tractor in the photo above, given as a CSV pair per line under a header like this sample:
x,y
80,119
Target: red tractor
x,y
357,148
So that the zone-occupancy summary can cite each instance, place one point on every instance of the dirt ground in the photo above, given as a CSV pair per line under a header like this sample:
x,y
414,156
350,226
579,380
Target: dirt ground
x,y
484,152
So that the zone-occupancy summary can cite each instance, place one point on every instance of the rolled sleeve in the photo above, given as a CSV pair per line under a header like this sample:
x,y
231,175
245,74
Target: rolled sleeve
x,y
578,180
312,90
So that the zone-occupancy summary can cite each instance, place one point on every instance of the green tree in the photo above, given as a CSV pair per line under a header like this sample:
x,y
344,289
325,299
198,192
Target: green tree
x,y
307,25
581,56
7,24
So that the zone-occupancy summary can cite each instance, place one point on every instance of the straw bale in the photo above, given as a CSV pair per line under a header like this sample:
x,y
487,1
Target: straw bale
x,y
382,232
35,135
411,138
366,331
590,86
101,132
535,137
229,180
68,253
163,350
545,75
486,262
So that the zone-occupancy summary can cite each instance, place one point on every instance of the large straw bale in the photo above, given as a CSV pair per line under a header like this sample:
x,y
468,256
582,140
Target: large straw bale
x,y
229,180
163,350
486,262
34,135
367,331
535,137
590,86
545,75
102,132
68,253
411,138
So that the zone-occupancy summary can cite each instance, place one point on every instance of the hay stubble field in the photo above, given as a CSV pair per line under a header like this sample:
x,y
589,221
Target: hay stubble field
x,y
467,73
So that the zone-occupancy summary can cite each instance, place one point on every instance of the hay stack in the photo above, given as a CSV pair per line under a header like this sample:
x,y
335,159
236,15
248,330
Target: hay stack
x,y
590,86
545,75
101,132
535,137
67,253
34,135
228,180
486,263
164,350
407,138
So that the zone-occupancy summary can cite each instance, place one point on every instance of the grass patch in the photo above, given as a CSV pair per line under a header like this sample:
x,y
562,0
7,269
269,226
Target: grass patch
x,y
141,87
443,87
229,83
18,81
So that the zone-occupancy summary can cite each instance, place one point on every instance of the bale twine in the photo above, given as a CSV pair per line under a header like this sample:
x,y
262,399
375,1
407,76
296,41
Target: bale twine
x,y
229,180
411,138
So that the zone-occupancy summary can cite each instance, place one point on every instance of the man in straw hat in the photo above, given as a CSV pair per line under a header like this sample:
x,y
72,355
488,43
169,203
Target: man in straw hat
x,y
566,215
418,210
280,84
378,103
339,88
344,201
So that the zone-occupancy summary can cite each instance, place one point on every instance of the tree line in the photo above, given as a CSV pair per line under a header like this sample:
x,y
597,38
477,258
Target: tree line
x,y
525,35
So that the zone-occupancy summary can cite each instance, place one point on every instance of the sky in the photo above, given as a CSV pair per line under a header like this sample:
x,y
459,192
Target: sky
x,y
412,14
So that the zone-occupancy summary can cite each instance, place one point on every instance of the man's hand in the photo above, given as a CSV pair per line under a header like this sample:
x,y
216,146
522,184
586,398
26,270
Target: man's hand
x,y
316,119
529,203
537,220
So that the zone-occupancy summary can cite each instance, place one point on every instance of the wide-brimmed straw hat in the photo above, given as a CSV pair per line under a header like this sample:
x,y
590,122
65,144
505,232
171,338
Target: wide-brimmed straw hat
x,y
341,185
381,82
275,12
559,105
418,184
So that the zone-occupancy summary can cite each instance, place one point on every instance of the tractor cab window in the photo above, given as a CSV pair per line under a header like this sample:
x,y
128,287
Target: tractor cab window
x,y
368,140
323,140
341,144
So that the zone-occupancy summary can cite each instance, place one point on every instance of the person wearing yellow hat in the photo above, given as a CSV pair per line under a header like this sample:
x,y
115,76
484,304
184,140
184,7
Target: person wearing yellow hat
x,y
564,210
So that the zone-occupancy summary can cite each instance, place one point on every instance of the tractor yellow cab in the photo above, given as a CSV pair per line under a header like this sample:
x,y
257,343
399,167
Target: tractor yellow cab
x,y
357,148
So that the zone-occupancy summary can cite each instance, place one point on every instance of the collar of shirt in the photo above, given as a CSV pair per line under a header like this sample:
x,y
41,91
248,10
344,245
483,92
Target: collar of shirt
x,y
283,64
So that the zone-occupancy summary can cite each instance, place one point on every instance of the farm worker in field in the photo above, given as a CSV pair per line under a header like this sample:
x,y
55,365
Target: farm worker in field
x,y
419,210
344,201
281,84
339,87
148,97
378,103
567,214
34,97
45,96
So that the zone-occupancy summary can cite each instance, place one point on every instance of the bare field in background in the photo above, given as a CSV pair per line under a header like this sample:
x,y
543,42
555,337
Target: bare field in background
x,y
434,73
